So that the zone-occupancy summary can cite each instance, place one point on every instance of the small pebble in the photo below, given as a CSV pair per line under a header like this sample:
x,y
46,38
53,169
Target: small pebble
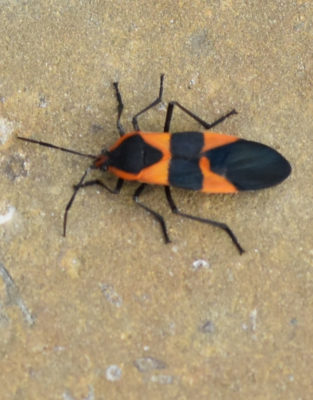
x,y
200,264
113,373
4,218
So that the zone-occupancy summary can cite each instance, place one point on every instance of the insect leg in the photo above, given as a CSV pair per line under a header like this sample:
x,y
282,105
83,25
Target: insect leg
x,y
80,185
157,216
154,103
203,220
97,182
69,204
205,124
120,107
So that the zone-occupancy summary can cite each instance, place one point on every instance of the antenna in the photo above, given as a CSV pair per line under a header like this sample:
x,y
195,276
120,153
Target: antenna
x,y
52,146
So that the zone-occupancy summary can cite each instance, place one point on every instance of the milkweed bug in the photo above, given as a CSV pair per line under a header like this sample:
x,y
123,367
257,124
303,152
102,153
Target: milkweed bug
x,y
202,161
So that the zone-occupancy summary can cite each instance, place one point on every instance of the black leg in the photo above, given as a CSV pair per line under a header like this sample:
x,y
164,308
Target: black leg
x,y
206,221
97,182
205,124
80,185
157,216
69,204
120,107
154,103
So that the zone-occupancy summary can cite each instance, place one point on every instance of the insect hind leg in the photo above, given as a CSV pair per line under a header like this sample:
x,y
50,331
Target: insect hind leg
x,y
206,125
220,225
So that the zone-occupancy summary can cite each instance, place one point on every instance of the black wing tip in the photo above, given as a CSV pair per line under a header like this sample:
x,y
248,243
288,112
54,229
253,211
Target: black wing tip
x,y
249,165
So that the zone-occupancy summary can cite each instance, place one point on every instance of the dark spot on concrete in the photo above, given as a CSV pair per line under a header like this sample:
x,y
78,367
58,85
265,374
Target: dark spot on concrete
x,y
13,295
96,128
294,322
15,167
146,364
199,43
162,379
208,327
42,102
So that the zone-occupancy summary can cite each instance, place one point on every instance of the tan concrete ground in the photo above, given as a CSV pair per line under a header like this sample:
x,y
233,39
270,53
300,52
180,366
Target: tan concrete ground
x,y
110,312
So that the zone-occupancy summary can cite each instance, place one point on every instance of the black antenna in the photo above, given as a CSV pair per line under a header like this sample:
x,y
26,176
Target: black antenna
x,y
58,147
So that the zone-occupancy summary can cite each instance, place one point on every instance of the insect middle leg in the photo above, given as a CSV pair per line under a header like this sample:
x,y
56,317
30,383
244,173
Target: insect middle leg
x,y
153,104
155,215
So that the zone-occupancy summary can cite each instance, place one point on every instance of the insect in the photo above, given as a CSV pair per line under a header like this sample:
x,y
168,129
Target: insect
x,y
201,161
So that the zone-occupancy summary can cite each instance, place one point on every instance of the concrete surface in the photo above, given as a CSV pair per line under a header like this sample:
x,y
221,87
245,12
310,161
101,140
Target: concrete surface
x,y
110,312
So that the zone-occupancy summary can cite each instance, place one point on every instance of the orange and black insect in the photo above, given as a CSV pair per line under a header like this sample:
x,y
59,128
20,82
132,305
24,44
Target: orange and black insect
x,y
203,161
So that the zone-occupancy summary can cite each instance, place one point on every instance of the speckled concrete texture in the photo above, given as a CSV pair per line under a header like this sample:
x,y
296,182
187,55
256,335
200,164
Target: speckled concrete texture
x,y
110,311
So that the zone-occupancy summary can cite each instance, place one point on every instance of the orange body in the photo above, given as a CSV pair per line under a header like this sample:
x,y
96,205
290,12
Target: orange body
x,y
158,173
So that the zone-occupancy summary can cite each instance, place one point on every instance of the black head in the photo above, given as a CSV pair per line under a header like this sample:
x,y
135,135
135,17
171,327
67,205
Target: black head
x,y
102,161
